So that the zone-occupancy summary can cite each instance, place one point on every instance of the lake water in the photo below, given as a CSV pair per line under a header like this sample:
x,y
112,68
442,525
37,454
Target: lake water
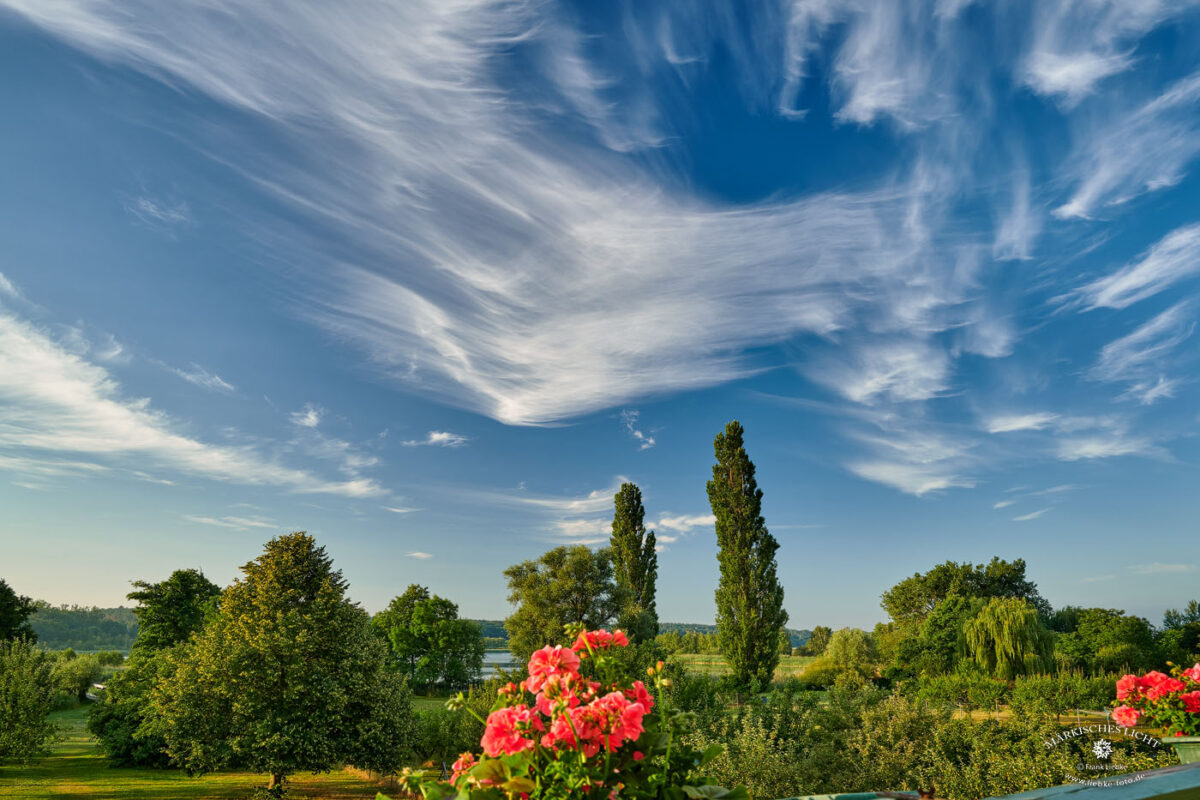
x,y
494,659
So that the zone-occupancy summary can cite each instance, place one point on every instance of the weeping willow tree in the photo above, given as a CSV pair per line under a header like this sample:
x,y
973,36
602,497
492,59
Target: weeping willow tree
x,y
1007,639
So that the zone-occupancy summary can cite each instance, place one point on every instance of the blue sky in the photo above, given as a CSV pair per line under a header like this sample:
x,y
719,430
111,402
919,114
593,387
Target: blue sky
x,y
430,279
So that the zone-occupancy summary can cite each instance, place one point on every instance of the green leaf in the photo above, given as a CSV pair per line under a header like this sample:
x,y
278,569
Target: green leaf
x,y
519,785
711,752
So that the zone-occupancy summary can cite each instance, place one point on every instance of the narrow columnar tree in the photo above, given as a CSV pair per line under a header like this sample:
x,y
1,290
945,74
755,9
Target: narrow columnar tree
x,y
749,596
635,564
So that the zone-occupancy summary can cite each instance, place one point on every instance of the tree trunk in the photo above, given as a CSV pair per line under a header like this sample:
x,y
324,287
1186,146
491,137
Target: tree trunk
x,y
276,780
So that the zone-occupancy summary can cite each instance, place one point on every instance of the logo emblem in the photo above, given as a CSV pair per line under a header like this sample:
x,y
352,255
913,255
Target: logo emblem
x,y
1102,748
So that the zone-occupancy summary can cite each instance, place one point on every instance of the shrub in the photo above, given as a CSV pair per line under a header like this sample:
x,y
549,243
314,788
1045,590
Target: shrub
x,y
122,721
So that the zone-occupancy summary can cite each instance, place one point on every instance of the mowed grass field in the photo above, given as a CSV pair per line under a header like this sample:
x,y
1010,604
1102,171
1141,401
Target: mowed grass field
x,y
76,769
713,664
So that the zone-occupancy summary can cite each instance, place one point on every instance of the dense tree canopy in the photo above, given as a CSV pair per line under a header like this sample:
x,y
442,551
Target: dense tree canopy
x,y
429,642
170,611
563,586
749,595
635,564
15,611
84,627
287,676
912,599
1105,639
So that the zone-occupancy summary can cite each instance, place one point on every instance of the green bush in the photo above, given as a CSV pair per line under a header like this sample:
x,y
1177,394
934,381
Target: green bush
x,y
74,675
110,658
26,691
965,690
122,722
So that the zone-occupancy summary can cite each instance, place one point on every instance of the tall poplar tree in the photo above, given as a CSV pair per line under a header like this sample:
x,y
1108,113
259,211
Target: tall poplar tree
x,y
635,564
749,596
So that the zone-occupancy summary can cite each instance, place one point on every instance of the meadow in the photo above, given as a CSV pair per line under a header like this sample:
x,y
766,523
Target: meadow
x,y
76,768
713,664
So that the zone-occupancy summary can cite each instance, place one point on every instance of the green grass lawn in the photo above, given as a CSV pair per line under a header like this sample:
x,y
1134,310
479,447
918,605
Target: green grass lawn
x,y
75,768
429,703
712,664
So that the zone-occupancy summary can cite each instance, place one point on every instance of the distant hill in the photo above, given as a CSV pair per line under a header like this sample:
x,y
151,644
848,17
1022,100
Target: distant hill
x,y
494,629
84,628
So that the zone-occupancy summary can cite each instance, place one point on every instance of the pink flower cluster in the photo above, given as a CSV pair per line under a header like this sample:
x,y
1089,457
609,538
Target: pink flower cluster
x,y
569,711
1162,699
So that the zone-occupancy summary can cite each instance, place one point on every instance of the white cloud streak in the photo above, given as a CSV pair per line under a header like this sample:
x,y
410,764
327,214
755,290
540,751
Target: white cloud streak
x,y
199,376
1007,423
1140,357
439,439
1032,515
54,403
1173,258
1125,154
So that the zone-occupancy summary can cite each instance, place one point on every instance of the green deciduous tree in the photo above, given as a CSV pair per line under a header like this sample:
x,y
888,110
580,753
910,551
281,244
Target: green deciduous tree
x,y
749,596
428,640
564,585
818,641
26,692
913,598
1175,618
15,611
168,614
170,611
1104,639
635,564
1007,639
287,676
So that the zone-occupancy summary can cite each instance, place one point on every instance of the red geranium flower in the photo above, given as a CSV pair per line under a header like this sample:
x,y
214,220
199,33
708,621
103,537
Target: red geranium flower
x,y
548,661
1125,716
506,729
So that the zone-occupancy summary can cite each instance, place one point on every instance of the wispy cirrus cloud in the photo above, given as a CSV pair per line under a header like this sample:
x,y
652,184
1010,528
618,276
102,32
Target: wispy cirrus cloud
x,y
439,439
1171,259
417,554
1125,154
157,212
1141,357
1008,423
1032,515
535,272
56,404
547,278
199,376
1160,568
236,523
629,418
307,417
